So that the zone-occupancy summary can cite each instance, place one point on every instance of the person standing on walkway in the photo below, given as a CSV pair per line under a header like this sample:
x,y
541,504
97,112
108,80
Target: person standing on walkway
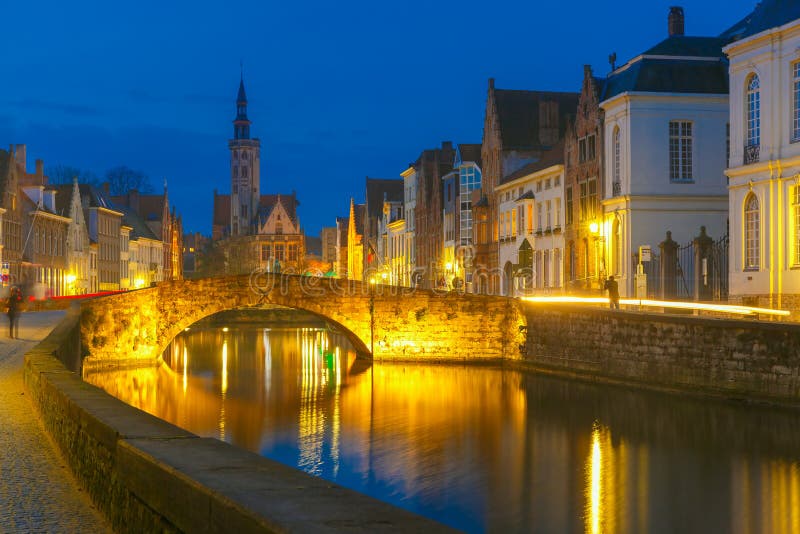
x,y
13,306
613,292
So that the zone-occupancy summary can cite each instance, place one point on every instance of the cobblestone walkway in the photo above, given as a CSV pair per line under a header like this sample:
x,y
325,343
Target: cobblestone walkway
x,y
37,490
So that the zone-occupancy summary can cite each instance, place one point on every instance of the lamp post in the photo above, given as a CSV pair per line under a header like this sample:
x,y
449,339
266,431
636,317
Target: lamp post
x,y
372,282
594,228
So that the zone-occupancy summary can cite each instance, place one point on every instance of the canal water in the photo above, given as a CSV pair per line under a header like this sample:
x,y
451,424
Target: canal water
x,y
483,449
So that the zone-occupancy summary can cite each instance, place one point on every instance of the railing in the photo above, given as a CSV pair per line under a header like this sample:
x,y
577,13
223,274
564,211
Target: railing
x,y
751,154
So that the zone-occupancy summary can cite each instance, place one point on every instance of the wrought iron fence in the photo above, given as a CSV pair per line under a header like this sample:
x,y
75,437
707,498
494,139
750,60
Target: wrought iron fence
x,y
718,268
685,272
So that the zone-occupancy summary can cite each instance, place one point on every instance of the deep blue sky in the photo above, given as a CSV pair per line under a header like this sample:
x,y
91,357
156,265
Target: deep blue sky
x,y
337,90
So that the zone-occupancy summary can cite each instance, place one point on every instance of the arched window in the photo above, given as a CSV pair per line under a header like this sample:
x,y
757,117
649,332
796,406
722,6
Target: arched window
x,y
752,228
617,184
753,102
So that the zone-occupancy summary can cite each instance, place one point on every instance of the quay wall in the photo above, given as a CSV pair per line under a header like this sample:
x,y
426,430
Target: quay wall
x,y
718,357
147,475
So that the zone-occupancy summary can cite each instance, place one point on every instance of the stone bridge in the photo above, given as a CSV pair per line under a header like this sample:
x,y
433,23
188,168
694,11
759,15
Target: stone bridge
x,y
382,322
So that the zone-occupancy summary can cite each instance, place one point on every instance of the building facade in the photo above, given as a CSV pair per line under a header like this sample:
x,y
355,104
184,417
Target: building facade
x,y
665,121
585,258
519,127
764,163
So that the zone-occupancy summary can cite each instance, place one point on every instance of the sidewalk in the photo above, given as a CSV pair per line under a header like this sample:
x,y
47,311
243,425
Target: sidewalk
x,y
37,490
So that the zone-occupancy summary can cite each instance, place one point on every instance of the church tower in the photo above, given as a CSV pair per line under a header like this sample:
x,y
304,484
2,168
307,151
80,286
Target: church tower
x,y
245,169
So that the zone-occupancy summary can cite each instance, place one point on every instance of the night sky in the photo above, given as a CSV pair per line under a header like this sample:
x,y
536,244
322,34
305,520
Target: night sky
x,y
337,90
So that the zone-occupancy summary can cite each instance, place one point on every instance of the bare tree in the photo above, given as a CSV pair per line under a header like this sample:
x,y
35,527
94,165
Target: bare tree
x,y
122,179
64,174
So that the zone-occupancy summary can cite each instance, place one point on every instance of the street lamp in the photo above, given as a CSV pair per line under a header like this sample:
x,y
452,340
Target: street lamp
x,y
594,228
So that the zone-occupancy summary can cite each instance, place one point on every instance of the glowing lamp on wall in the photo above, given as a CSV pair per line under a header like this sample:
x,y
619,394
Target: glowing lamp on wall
x,y
594,228
70,278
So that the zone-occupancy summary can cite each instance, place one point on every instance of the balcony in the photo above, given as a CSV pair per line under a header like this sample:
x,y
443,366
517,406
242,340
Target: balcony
x,y
751,153
616,189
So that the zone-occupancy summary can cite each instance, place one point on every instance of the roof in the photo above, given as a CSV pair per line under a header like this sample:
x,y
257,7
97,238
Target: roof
x,y
138,226
526,195
518,115
63,198
470,152
90,198
555,156
359,210
767,14
682,45
669,76
376,188
222,210
150,207
267,203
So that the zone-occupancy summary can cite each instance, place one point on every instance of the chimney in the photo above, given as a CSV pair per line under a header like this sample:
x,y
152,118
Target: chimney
x,y
40,170
675,21
447,145
106,188
133,200
491,84
21,155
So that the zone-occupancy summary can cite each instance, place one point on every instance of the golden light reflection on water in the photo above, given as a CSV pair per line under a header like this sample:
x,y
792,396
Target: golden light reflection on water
x,y
490,449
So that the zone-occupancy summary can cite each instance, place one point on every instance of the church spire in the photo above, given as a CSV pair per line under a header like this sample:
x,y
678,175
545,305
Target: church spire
x,y
241,124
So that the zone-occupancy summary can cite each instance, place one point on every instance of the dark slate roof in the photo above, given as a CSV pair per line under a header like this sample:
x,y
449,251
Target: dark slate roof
x,y
359,211
267,203
90,197
470,152
222,210
376,187
669,76
518,114
767,14
138,226
683,45
555,156
63,198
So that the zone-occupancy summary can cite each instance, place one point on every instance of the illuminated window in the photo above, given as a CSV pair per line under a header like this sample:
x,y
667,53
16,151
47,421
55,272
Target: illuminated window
x,y
752,244
796,215
617,164
680,151
753,103
796,101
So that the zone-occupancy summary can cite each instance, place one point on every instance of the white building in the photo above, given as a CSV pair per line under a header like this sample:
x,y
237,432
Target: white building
x,y
764,165
666,114
530,223
391,244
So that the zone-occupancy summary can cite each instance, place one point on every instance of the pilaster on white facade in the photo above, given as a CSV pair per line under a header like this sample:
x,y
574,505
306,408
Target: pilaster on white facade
x,y
764,167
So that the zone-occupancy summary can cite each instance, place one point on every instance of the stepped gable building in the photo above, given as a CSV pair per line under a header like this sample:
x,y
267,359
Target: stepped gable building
x,y
78,249
764,163
429,170
378,190
355,241
256,231
583,189
665,116
519,126
164,223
